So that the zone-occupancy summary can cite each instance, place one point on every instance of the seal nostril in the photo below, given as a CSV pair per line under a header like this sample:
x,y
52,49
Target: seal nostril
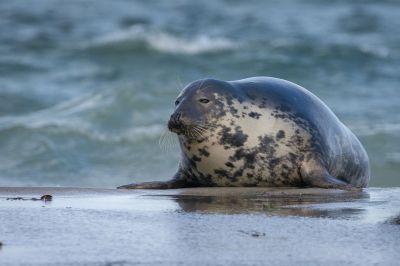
x,y
175,118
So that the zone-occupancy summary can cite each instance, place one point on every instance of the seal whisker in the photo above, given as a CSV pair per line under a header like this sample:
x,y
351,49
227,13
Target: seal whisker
x,y
206,126
163,141
201,126
167,141
201,131
187,132
197,132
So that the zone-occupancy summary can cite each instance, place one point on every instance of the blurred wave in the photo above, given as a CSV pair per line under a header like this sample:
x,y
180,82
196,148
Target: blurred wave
x,y
139,37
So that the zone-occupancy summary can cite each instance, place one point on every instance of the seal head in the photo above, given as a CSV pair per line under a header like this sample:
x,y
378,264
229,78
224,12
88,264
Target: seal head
x,y
198,105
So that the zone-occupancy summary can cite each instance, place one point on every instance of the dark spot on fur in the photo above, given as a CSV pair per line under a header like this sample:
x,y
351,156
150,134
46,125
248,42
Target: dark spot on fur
x,y
206,180
201,140
233,110
238,173
280,135
266,145
254,115
204,152
239,154
192,164
235,139
248,156
274,162
225,173
186,145
196,159
229,164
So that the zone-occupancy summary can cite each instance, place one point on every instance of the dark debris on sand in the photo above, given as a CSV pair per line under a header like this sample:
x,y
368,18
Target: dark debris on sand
x,y
42,198
252,233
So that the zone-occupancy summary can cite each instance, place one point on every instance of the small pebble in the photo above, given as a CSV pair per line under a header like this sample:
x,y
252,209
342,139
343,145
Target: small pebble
x,y
252,233
257,234
46,197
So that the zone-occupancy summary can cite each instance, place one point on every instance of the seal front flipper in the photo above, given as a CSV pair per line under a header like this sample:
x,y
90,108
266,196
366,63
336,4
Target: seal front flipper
x,y
156,185
178,181
314,174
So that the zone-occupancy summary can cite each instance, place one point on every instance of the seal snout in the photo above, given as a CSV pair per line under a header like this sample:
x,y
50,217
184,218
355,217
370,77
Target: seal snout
x,y
175,122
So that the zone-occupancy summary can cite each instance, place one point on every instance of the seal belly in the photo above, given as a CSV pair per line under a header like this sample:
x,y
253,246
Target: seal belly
x,y
250,147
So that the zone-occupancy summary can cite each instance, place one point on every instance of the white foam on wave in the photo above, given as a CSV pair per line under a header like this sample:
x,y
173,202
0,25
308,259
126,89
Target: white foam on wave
x,y
165,42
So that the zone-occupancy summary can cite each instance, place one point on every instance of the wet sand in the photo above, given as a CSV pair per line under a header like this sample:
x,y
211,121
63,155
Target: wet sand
x,y
200,226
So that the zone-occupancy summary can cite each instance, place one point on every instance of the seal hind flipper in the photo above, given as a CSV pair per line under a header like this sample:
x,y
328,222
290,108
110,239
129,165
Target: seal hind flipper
x,y
328,181
314,174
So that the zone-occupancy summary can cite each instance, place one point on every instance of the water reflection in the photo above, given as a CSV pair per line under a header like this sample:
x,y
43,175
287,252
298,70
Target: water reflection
x,y
394,220
326,206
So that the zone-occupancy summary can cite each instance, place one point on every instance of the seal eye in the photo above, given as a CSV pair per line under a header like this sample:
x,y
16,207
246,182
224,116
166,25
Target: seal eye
x,y
176,102
204,100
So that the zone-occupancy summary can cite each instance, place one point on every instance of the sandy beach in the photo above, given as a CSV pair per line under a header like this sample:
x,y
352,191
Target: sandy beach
x,y
217,226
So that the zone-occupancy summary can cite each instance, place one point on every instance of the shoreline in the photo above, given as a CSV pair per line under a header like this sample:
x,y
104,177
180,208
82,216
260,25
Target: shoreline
x,y
246,226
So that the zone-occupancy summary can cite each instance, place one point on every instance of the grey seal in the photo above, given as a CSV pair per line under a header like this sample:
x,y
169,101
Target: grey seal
x,y
261,131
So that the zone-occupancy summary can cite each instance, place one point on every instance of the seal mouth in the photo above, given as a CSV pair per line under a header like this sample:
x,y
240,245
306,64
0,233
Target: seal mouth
x,y
175,126
175,129
192,132
175,123
180,126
